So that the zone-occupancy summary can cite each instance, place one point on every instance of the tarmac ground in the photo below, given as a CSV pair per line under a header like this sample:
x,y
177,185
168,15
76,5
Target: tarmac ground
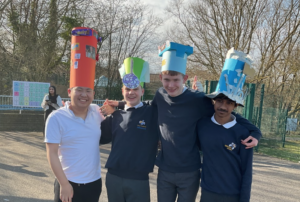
x,y
25,175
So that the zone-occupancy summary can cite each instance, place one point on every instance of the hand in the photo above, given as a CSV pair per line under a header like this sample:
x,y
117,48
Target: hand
x,y
112,103
66,193
107,109
194,85
250,144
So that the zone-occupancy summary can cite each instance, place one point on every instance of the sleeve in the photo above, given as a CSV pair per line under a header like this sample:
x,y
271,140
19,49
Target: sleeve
x,y
52,130
254,131
59,101
121,105
106,130
246,162
206,107
43,102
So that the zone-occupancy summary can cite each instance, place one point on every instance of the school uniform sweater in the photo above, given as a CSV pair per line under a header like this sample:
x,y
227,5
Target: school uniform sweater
x,y
177,119
134,135
227,165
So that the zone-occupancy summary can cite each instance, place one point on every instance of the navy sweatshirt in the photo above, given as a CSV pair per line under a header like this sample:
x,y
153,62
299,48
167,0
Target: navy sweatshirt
x,y
134,134
227,165
177,119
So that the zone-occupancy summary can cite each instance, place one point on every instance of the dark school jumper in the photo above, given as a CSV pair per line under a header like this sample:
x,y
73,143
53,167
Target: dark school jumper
x,y
177,119
134,135
227,165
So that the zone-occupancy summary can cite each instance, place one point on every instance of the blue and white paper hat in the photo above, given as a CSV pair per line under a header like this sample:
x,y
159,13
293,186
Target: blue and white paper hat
x,y
236,68
174,56
134,72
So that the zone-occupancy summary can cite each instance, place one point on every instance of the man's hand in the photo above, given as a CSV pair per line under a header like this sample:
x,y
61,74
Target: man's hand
x,y
112,103
66,192
107,109
250,144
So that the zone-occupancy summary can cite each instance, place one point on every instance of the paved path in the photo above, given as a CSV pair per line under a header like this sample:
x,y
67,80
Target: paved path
x,y
26,177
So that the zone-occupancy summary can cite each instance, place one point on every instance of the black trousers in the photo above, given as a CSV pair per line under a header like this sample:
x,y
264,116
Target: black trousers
x,y
207,196
89,192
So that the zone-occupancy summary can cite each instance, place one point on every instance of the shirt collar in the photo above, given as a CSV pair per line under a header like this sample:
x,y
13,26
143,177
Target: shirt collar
x,y
226,125
136,106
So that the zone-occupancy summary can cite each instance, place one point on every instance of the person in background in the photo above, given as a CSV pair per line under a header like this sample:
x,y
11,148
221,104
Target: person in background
x,y
51,102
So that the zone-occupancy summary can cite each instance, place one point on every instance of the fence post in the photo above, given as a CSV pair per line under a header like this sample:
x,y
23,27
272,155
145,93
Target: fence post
x,y
248,110
284,129
260,110
213,86
206,86
189,83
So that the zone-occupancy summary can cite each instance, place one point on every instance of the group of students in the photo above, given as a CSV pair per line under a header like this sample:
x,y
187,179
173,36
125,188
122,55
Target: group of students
x,y
184,120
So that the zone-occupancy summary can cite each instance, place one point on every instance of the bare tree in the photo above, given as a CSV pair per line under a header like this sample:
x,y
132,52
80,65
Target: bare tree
x,y
268,30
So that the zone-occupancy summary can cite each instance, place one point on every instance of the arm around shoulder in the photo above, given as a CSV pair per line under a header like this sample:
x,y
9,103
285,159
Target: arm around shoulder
x,y
106,130
254,131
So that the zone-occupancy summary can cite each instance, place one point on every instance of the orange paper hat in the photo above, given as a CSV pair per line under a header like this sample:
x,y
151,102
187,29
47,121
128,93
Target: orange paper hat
x,y
83,57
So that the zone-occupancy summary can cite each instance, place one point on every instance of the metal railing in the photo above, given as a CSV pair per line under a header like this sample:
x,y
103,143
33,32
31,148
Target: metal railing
x,y
6,103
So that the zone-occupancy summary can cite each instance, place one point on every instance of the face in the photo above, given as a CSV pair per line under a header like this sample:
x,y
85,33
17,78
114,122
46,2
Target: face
x,y
132,96
51,90
81,97
223,107
173,84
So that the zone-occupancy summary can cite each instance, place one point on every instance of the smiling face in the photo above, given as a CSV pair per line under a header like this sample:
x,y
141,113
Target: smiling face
x,y
173,82
223,107
132,96
81,97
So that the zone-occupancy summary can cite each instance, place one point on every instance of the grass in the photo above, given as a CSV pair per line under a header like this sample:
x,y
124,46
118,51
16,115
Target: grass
x,y
273,147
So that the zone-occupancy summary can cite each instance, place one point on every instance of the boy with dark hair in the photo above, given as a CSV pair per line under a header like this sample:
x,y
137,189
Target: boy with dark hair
x,y
227,164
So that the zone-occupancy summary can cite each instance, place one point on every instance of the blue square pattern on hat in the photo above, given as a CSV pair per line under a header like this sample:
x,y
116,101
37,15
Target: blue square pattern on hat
x,y
233,77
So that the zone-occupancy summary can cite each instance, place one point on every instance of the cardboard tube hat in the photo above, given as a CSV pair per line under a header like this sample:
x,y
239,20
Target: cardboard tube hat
x,y
83,57
174,56
134,72
236,68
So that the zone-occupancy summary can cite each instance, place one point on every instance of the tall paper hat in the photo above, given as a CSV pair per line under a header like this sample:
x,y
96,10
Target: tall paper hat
x,y
174,56
134,72
236,68
83,57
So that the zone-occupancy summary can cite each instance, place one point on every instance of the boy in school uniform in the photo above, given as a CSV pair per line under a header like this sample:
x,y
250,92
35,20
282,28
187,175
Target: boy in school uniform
x,y
227,164
134,133
179,109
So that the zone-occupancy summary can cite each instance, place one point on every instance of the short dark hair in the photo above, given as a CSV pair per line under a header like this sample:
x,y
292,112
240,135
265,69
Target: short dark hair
x,y
224,97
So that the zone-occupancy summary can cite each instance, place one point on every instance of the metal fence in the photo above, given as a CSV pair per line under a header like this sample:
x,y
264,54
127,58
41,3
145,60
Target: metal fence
x,y
6,103
272,121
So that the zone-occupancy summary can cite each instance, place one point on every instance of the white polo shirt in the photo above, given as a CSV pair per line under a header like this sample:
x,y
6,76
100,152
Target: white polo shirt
x,y
78,141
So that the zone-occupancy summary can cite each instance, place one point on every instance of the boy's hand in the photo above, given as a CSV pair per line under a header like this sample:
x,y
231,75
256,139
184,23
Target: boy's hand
x,y
251,144
194,86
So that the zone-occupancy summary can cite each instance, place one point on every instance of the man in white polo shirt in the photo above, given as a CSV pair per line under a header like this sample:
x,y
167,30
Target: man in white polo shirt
x,y
72,142
73,132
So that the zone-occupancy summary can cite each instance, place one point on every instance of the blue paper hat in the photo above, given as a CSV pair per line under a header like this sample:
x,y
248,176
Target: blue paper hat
x,y
236,68
174,56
